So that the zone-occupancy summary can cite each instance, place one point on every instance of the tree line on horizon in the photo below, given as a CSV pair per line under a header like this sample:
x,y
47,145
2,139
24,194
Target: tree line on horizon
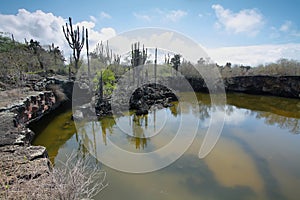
x,y
19,60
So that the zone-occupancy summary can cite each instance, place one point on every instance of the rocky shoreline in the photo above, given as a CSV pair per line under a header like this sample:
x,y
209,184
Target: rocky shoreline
x,y
140,101
20,161
148,95
281,86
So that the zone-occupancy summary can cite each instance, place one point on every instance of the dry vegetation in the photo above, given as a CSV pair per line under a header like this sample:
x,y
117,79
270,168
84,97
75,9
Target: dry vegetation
x,y
282,67
77,178
20,60
58,92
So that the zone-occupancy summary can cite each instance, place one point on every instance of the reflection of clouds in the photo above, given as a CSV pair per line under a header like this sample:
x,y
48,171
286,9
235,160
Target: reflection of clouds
x,y
260,152
233,166
233,115
277,155
238,116
183,117
198,180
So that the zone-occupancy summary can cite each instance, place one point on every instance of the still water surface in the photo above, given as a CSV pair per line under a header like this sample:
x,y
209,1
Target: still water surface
x,y
257,156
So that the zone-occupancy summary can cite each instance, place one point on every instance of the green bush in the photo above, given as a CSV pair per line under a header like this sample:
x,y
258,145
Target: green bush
x,y
108,79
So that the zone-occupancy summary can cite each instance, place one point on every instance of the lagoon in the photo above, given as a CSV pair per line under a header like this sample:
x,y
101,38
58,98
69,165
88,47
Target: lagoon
x,y
256,157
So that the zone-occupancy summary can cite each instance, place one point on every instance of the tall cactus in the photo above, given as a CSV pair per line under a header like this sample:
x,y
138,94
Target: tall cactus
x,y
138,57
155,66
88,57
103,53
101,87
176,62
73,38
167,59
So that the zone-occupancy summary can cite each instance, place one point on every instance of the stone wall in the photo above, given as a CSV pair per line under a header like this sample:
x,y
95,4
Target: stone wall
x,y
19,161
282,86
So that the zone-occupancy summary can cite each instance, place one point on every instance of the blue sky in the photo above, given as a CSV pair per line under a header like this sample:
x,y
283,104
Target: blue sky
x,y
230,30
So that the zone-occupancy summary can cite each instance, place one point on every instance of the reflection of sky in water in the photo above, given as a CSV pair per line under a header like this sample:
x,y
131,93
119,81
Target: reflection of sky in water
x,y
143,126
257,156
233,116
173,139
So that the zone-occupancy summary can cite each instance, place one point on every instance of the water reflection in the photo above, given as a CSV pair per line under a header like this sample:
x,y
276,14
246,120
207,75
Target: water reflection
x,y
291,124
53,134
283,112
255,158
233,167
202,181
106,126
139,124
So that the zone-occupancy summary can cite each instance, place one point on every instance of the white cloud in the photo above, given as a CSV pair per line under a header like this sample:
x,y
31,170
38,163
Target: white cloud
x,y
168,40
86,24
295,33
96,36
47,28
142,16
289,28
274,33
248,21
102,35
254,55
104,15
160,15
286,26
206,14
94,19
175,15
44,27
